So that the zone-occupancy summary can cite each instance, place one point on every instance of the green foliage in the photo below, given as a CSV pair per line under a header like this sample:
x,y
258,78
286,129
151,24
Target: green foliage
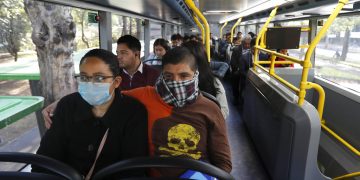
x,y
341,23
87,34
14,25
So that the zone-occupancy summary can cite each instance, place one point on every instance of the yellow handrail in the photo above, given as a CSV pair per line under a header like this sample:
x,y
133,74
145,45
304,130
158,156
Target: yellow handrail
x,y
233,28
293,59
193,7
321,100
262,31
341,140
292,87
305,29
276,62
310,50
201,27
355,174
303,46
221,30
304,84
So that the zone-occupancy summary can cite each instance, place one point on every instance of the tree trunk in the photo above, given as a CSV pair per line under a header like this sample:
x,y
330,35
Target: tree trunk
x,y
125,25
83,37
53,33
345,48
130,29
138,29
327,42
15,56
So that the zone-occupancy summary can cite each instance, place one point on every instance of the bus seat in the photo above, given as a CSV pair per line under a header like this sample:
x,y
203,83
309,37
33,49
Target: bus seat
x,y
45,162
210,97
285,135
154,63
163,162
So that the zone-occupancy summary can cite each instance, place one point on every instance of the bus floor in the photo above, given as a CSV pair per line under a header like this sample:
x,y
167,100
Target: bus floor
x,y
245,161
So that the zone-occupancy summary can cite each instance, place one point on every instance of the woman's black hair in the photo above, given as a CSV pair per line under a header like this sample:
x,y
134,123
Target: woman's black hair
x,y
163,43
206,77
107,57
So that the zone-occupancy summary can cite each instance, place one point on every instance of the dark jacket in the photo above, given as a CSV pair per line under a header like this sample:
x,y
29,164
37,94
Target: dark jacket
x,y
75,133
246,62
235,59
147,78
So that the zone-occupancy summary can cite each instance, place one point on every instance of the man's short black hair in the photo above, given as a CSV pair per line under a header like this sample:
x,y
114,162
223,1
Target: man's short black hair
x,y
107,57
179,55
131,42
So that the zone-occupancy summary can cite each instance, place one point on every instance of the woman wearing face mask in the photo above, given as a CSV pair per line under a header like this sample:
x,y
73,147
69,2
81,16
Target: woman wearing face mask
x,y
96,120
160,48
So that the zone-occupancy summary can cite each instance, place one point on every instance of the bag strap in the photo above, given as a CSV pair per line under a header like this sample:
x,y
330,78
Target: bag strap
x,y
102,143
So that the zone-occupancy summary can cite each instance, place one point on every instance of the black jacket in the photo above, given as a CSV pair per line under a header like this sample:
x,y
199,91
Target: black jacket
x,y
235,59
75,133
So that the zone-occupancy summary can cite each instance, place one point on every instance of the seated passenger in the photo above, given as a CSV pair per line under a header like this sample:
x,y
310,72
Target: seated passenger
x,y
160,47
182,122
95,119
283,51
134,73
207,81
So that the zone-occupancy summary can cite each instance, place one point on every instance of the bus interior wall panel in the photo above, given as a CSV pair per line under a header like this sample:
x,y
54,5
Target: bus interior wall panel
x,y
342,114
285,135
334,159
293,75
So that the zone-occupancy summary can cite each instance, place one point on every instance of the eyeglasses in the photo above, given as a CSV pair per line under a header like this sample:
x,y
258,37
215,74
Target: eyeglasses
x,y
95,79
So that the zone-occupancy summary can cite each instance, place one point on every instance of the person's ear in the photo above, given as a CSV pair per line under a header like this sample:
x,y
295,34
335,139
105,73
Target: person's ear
x,y
117,81
137,54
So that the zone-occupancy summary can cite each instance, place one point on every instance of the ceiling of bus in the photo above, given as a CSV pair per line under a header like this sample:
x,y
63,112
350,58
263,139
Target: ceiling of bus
x,y
155,9
292,9
228,7
161,10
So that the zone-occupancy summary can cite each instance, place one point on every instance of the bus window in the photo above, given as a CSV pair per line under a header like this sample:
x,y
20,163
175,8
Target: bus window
x,y
337,53
299,53
122,25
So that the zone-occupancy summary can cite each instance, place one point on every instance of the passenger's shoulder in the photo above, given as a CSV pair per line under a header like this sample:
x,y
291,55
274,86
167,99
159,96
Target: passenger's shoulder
x,y
150,70
70,98
204,105
139,93
130,101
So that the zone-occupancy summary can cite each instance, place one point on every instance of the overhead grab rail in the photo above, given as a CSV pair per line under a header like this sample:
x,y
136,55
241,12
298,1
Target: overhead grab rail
x,y
221,30
193,7
201,27
233,29
306,63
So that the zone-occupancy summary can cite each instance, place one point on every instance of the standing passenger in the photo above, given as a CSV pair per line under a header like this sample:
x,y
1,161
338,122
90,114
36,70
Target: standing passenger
x,y
134,73
95,114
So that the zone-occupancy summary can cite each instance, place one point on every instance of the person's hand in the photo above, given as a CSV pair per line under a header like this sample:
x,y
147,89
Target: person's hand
x,y
47,113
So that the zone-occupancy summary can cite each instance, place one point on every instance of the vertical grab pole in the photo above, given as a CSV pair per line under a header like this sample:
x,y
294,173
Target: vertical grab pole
x,y
221,29
192,6
262,32
233,28
201,27
307,62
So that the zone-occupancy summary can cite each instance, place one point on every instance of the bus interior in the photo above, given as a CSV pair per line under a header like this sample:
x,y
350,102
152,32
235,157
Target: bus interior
x,y
298,122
